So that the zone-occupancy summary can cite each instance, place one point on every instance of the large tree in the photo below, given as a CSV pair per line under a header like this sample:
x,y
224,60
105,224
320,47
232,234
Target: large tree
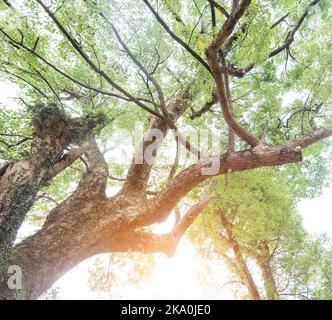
x,y
89,68
251,224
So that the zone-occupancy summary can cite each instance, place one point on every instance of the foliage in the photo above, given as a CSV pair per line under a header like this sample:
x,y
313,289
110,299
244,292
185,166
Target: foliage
x,y
289,94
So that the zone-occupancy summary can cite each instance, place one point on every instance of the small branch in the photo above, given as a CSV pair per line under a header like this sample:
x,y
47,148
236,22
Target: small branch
x,y
176,38
36,44
142,68
213,15
47,197
94,67
15,144
13,42
290,37
207,107
279,21
67,160
8,4
219,7
26,81
285,46
116,178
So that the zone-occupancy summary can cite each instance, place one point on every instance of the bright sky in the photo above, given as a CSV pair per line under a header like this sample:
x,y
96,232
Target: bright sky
x,y
176,277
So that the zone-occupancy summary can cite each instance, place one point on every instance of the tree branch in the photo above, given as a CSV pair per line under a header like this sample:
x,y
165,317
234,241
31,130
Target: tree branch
x,y
142,68
219,7
290,37
260,156
94,67
67,76
176,38
67,160
240,72
139,171
146,242
221,77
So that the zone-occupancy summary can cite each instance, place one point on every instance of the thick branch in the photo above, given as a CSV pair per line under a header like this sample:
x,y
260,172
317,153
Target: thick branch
x,y
229,25
260,156
150,242
220,76
139,171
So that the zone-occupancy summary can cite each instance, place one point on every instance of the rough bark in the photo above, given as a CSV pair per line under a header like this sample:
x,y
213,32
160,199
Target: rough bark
x,y
85,225
21,181
138,173
88,222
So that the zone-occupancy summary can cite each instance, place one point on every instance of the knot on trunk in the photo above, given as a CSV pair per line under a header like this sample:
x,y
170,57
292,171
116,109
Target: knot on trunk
x,y
54,130
49,120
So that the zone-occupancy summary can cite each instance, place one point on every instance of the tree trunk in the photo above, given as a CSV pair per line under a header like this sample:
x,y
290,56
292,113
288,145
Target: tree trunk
x,y
21,181
264,262
88,222
246,274
269,281
243,270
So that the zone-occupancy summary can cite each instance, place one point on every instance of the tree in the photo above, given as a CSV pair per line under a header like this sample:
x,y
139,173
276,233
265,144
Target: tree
x,y
305,271
127,61
251,217
252,224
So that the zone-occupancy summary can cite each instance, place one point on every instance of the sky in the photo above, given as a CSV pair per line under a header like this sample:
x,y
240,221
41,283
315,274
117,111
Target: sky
x,y
176,277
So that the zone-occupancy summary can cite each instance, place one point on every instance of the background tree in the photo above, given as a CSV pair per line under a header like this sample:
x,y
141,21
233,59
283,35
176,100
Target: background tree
x,y
252,224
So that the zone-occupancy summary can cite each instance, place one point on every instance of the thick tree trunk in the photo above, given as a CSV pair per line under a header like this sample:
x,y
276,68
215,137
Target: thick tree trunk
x,y
104,226
88,222
66,236
19,186
21,181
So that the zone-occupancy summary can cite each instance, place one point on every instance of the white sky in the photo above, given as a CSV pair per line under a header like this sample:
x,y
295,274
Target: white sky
x,y
174,278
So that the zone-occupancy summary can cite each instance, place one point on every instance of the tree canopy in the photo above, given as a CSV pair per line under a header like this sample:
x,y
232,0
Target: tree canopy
x,y
128,108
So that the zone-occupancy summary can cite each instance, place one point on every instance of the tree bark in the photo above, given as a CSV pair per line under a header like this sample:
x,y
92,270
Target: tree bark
x,y
263,259
88,222
242,268
269,281
21,181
